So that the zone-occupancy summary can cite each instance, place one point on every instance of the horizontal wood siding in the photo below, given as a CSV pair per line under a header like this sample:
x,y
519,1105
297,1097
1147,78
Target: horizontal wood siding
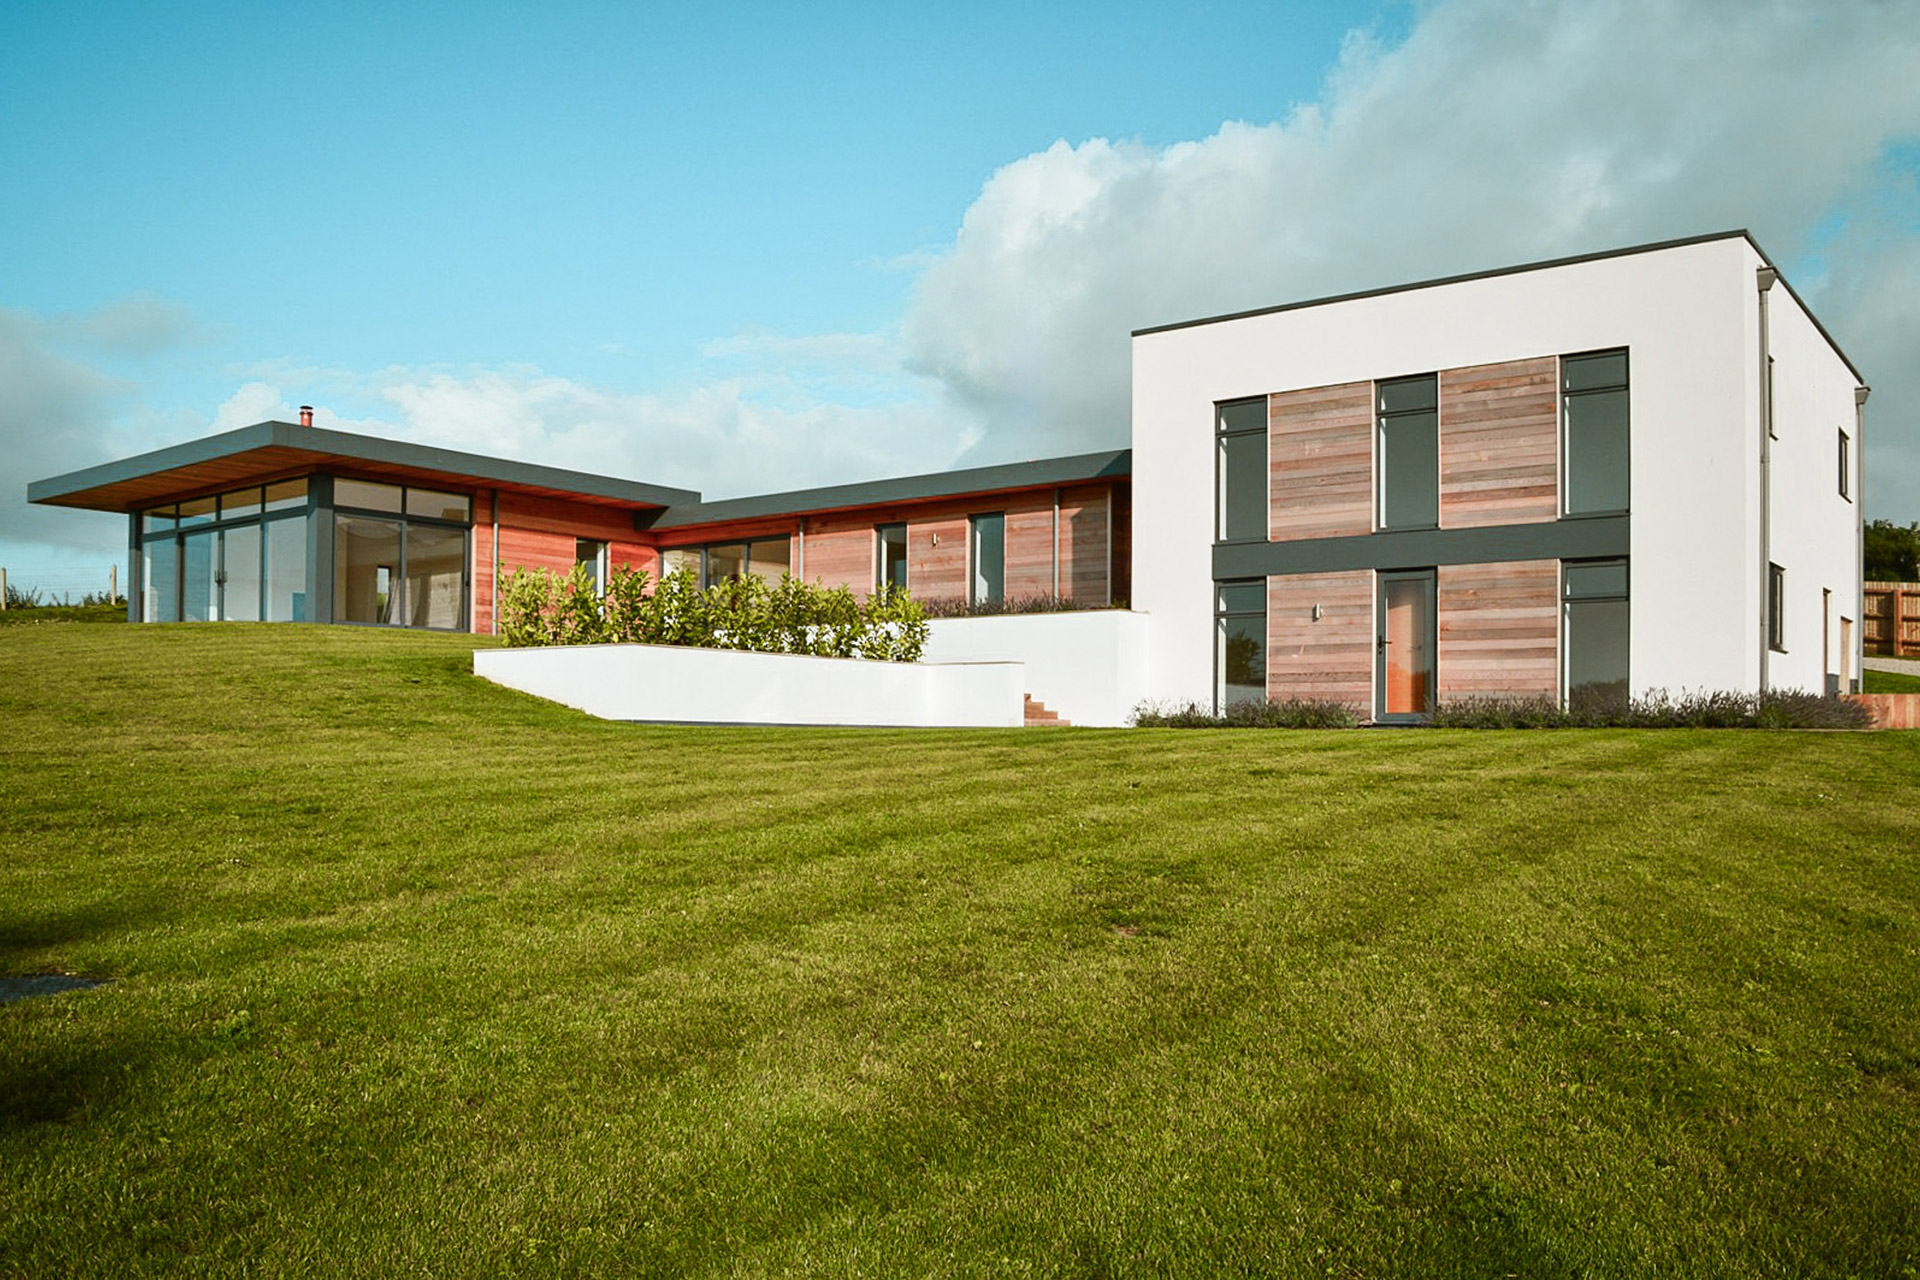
x,y
534,549
840,551
937,556
1320,455
1499,444
1085,540
1030,546
1328,659
574,519
1499,630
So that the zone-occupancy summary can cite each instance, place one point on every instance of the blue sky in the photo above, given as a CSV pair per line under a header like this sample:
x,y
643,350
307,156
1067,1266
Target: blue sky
x,y
753,247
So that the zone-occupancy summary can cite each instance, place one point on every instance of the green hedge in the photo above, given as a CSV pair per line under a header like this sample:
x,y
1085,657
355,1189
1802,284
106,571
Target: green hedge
x,y
540,607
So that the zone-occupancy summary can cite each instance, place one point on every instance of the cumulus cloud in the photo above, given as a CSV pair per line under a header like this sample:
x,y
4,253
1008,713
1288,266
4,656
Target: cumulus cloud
x,y
1497,133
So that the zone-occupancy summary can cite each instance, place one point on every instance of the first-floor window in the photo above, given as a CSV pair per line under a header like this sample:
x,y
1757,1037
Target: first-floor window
x,y
1240,637
1846,466
891,560
1776,608
987,552
1595,612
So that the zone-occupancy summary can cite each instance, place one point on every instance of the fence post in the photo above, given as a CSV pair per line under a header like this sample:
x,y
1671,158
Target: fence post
x,y
3,588
113,583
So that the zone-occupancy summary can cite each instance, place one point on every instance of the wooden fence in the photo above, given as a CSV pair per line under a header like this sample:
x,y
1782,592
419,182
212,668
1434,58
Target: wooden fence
x,y
1892,622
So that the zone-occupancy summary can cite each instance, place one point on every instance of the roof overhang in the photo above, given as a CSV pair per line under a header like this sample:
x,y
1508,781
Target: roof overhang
x,y
271,450
1085,468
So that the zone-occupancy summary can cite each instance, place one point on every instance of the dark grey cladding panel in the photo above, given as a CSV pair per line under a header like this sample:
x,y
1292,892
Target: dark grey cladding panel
x,y
1580,539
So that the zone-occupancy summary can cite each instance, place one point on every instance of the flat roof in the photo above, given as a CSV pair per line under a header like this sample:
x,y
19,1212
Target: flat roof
x,y
1079,468
1740,233
267,449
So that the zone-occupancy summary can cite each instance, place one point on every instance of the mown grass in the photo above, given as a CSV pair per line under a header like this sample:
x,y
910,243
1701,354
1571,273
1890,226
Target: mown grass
x,y
1872,681
413,975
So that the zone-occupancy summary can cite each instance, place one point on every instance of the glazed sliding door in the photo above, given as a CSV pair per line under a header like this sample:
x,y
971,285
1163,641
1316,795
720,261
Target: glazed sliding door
x,y
1404,666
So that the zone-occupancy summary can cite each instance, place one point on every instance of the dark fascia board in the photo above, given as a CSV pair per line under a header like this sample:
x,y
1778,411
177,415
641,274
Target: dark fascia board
x,y
341,444
1739,233
1040,473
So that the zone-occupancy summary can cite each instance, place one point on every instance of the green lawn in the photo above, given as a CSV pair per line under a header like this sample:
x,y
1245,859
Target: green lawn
x,y
1890,681
416,976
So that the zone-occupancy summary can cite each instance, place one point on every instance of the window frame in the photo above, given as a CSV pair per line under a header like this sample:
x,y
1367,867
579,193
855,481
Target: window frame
x,y
1776,608
1223,613
880,575
1569,600
1223,438
1846,465
975,523
1568,395
253,509
1384,419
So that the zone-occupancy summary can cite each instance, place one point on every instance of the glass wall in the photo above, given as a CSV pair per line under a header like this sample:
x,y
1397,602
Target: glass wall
x,y
399,555
232,557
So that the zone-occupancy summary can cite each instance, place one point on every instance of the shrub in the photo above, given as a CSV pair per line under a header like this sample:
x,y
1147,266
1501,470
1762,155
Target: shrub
x,y
1039,602
540,607
1657,709
1289,714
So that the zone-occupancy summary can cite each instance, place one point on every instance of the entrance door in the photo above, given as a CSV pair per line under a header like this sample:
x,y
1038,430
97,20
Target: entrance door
x,y
1403,680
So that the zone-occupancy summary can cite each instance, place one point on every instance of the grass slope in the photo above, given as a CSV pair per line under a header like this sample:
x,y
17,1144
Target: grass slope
x,y
414,975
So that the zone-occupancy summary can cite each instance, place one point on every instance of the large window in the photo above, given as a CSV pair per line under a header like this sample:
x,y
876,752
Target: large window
x,y
891,558
230,557
1596,614
1240,656
1240,435
987,554
1407,453
1594,411
768,558
399,555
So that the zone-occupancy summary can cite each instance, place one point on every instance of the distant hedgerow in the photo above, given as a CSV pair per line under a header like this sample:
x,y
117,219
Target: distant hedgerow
x,y
540,607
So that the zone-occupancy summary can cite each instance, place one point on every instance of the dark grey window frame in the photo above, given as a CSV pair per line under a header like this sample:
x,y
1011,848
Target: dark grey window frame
x,y
1846,465
257,516
1568,396
1430,575
335,509
1225,439
880,532
706,550
974,525
1389,416
1572,596
1223,613
1776,608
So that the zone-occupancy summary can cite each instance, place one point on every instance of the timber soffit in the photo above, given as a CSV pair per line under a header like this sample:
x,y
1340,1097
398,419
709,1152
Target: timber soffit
x,y
290,447
1739,233
1041,473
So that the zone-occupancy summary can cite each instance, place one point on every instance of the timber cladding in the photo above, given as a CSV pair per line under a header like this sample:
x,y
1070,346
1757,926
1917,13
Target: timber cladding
x,y
1499,443
1320,462
1331,658
1499,630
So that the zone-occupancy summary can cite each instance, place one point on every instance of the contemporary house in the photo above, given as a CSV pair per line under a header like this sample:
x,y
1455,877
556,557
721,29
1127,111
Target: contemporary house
x,y
1627,471
1612,473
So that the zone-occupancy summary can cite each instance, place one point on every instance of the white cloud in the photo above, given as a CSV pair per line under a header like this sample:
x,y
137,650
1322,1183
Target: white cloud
x,y
1497,133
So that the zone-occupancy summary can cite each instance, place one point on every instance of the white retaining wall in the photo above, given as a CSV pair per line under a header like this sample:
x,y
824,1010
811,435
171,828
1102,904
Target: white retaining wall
x,y
726,686
1090,667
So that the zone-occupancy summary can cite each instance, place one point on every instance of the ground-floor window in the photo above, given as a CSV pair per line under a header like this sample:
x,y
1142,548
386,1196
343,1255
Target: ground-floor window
x,y
768,558
1595,616
232,557
987,554
1240,637
398,573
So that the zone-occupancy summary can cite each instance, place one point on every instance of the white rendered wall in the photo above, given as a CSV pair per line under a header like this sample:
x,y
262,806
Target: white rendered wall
x,y
1814,530
1688,316
725,686
1090,667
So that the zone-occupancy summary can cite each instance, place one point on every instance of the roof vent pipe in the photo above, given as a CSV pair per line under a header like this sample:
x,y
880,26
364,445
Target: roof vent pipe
x,y
306,415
